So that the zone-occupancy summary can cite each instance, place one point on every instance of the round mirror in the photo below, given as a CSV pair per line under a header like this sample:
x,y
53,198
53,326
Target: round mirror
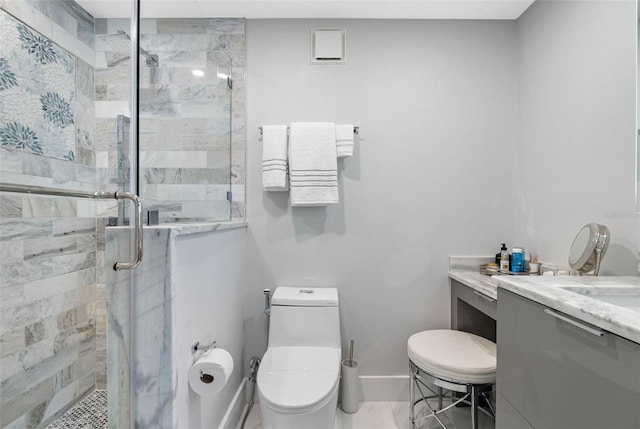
x,y
588,248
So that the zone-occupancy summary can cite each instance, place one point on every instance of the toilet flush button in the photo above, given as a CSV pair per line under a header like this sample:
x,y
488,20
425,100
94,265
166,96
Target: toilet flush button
x,y
306,291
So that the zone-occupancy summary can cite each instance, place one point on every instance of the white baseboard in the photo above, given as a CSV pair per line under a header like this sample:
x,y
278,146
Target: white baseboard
x,y
383,387
370,388
236,407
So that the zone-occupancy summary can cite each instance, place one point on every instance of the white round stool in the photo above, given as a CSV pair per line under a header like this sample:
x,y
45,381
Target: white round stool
x,y
456,361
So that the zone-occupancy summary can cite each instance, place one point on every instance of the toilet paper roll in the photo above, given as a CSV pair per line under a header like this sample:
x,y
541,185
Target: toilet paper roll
x,y
209,374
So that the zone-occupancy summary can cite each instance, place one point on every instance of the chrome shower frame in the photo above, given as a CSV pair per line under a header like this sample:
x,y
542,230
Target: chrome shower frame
x,y
134,187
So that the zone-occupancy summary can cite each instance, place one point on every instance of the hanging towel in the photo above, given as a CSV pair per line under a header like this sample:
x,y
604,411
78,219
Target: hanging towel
x,y
313,165
275,166
344,140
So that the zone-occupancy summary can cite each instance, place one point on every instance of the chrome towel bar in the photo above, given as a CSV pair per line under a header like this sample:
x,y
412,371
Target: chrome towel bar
x,y
40,190
355,130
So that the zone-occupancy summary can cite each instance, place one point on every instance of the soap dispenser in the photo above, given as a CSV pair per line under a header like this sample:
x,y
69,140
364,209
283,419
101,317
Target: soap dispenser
x,y
504,258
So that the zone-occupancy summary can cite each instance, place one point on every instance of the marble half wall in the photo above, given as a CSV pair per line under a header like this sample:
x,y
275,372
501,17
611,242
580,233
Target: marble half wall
x,y
188,288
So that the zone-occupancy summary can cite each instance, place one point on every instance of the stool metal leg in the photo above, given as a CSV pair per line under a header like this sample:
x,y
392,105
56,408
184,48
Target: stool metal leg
x,y
474,407
412,395
415,381
471,396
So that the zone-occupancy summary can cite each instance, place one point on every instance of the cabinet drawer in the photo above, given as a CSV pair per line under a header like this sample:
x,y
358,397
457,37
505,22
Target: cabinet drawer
x,y
558,374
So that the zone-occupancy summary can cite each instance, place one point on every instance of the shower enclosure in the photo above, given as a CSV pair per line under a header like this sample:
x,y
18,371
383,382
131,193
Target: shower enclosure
x,y
67,122
184,149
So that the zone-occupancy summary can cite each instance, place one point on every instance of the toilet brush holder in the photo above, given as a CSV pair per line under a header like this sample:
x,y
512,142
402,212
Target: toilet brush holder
x,y
350,386
350,401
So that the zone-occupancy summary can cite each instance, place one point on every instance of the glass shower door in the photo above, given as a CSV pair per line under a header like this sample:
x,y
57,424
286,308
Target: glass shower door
x,y
185,121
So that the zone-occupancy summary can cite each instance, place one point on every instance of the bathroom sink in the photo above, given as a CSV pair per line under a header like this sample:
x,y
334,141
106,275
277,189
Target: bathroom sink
x,y
622,296
628,301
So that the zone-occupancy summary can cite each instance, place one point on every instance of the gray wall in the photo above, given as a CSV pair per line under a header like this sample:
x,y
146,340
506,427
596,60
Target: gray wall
x,y
436,105
576,128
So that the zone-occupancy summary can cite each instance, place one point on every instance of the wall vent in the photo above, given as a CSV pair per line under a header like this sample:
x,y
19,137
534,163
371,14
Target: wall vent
x,y
328,46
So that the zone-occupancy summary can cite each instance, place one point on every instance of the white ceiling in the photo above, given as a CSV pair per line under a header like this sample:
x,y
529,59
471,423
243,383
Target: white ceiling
x,y
371,9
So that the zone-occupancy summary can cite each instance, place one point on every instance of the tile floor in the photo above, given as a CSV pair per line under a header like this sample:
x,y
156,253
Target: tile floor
x,y
90,413
387,415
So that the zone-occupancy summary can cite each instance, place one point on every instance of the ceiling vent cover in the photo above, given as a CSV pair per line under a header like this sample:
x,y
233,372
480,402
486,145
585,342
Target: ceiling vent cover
x,y
328,46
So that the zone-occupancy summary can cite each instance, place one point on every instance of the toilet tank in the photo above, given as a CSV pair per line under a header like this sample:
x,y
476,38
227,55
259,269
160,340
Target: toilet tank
x,y
305,317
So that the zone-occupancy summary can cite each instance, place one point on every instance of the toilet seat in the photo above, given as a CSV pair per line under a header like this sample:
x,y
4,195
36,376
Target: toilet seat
x,y
295,380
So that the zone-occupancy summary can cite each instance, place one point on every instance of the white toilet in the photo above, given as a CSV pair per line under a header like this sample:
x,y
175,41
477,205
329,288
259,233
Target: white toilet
x,y
299,375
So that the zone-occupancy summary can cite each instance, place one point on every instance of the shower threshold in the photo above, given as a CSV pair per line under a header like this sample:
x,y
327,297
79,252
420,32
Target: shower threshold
x,y
91,412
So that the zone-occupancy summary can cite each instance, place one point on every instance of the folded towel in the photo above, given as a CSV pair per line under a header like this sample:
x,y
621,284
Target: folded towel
x,y
313,166
344,140
275,166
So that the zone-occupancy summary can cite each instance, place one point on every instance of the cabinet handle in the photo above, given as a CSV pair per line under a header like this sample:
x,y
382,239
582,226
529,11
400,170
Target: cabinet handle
x,y
574,323
481,295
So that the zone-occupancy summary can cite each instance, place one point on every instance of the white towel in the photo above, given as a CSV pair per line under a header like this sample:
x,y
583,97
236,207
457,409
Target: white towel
x,y
313,165
344,140
275,167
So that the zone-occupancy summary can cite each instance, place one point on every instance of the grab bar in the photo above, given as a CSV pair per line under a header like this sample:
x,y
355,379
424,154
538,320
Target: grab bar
x,y
41,190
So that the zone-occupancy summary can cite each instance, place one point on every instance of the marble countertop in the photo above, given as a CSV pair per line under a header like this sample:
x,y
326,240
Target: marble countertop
x,y
578,296
198,228
193,227
476,281
466,270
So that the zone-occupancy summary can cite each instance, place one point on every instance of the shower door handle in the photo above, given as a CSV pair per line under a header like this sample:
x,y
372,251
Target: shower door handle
x,y
57,192
137,231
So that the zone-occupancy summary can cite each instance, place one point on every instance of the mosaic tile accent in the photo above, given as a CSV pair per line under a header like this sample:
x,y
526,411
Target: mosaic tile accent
x,y
91,412
37,92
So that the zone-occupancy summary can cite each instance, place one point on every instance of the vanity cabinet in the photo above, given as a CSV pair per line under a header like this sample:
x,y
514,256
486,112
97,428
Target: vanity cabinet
x,y
554,371
507,416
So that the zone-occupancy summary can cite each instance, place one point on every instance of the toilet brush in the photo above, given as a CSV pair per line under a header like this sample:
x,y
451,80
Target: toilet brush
x,y
350,383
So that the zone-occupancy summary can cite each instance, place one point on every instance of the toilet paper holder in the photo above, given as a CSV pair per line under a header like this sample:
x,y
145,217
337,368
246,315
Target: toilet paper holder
x,y
195,347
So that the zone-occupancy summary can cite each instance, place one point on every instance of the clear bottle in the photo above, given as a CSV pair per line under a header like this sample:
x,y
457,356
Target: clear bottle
x,y
504,258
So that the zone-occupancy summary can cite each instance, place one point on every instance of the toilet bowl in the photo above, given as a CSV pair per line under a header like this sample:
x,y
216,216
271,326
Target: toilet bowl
x,y
298,378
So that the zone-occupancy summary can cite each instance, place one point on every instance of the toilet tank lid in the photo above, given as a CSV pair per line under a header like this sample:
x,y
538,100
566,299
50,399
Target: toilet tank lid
x,y
305,296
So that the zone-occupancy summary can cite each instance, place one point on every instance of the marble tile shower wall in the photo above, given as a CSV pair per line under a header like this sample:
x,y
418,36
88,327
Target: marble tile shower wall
x,y
48,250
186,159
